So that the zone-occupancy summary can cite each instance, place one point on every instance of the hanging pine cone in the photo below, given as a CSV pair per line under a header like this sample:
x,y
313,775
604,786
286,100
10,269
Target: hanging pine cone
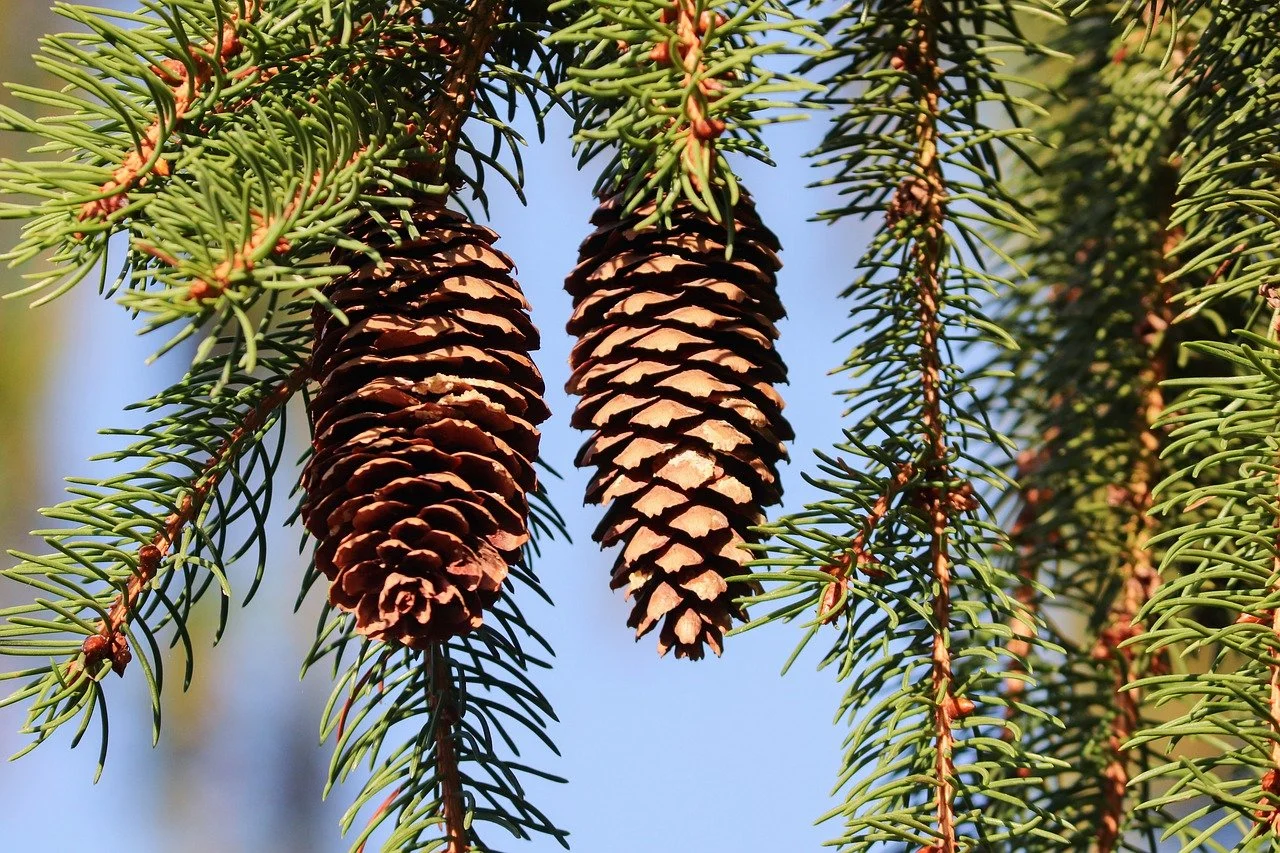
x,y
424,427
675,364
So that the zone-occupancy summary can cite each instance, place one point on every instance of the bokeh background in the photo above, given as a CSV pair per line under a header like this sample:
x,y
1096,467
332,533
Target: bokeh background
x,y
662,755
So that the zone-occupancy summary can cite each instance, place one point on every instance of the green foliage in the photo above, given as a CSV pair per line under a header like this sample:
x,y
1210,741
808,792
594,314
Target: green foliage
x,y
1027,365
874,527
195,443
1225,721
668,90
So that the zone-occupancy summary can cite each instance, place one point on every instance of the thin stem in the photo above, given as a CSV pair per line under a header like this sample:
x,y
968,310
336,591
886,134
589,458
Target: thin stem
x,y
446,114
447,715
858,557
452,102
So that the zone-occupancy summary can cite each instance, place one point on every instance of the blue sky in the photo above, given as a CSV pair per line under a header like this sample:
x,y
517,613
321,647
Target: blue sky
x,y
718,756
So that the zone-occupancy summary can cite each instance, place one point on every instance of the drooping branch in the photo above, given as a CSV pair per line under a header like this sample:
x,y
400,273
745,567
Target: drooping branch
x,y
1138,571
924,196
110,642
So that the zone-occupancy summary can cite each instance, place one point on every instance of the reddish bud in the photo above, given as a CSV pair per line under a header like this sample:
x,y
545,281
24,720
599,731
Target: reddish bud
x,y
120,654
710,20
203,290
708,129
94,649
149,557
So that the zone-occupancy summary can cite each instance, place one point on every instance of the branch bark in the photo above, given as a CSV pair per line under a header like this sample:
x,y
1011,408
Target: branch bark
x,y
447,716
450,106
924,198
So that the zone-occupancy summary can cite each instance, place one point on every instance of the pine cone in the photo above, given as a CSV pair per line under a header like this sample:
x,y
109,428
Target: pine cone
x,y
675,364
424,429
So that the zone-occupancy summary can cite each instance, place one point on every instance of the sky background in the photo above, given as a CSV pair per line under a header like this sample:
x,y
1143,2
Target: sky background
x,y
718,756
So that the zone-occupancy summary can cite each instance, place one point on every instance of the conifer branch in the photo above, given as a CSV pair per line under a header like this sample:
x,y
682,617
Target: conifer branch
x,y
1139,575
186,81
1100,338
338,112
451,103
110,641
924,198
1221,550
932,617
137,550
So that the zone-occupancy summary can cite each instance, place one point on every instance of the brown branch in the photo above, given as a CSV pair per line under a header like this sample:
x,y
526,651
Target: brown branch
x,y
856,557
187,83
452,103
110,642
923,198
446,719
692,28
1140,576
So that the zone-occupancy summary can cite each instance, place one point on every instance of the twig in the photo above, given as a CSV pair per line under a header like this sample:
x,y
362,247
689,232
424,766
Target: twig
x,y
110,642
452,103
379,812
187,86
446,719
856,557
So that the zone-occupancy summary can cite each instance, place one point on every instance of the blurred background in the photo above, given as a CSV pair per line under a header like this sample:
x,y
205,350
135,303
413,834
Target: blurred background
x,y
719,756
